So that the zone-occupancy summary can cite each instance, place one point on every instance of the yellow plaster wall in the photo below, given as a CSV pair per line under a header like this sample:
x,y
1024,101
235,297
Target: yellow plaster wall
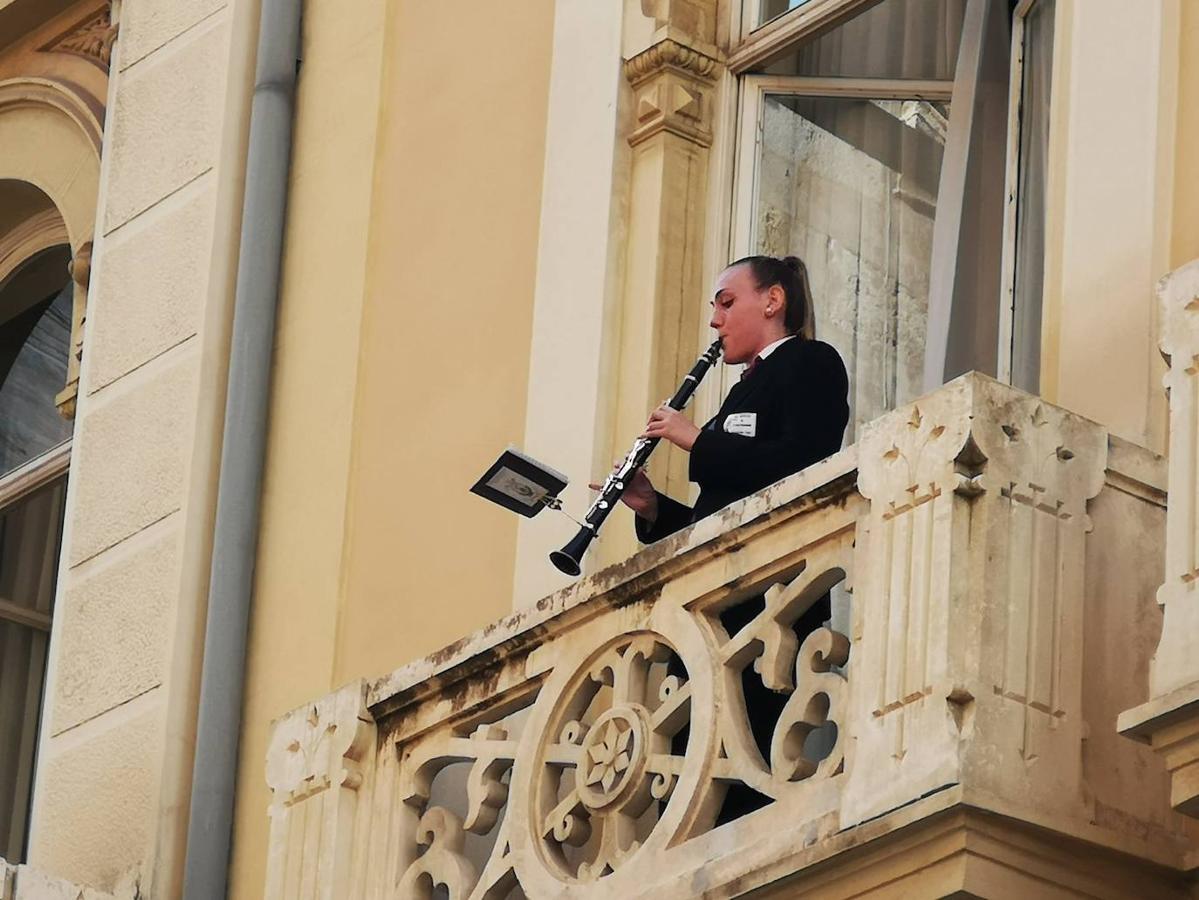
x,y
447,328
401,357
1185,239
1111,181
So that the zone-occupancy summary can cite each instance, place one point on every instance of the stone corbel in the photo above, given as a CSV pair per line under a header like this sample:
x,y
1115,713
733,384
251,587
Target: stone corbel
x,y
80,270
975,538
1169,721
319,769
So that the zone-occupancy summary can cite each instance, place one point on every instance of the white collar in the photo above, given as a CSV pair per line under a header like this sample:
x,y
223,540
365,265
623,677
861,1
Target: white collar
x,y
770,348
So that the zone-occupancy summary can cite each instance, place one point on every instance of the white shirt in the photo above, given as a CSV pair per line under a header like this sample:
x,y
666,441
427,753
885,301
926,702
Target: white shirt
x,y
770,348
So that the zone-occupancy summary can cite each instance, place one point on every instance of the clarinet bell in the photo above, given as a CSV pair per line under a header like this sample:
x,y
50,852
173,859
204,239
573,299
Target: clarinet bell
x,y
569,559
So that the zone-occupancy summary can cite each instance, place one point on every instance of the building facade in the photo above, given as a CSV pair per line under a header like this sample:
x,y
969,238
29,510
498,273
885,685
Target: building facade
x,y
499,224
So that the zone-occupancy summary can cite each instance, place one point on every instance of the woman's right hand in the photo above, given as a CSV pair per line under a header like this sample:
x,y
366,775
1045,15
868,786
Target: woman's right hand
x,y
639,496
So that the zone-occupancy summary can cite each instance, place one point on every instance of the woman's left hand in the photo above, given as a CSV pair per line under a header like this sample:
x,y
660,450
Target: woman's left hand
x,y
673,426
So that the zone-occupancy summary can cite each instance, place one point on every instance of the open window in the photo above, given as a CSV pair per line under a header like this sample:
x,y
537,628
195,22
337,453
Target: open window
x,y
875,145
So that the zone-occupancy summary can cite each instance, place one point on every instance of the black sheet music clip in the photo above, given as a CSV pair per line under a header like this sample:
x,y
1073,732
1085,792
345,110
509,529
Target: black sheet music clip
x,y
521,484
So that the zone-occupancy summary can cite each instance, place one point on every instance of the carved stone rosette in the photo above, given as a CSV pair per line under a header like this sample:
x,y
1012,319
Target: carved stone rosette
x,y
635,740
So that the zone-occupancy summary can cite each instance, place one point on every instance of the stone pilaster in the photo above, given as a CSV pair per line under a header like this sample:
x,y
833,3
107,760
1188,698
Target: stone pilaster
x,y
669,127
319,768
1169,721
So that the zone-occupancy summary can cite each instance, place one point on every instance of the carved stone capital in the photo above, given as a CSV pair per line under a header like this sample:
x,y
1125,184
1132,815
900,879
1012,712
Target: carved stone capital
x,y
319,746
319,768
672,89
91,38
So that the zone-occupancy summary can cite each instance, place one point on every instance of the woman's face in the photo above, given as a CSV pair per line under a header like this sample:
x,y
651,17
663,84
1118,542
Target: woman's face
x,y
745,317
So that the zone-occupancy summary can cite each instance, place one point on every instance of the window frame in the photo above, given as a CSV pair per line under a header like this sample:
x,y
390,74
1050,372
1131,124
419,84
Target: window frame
x,y
1011,189
755,44
735,151
15,486
748,136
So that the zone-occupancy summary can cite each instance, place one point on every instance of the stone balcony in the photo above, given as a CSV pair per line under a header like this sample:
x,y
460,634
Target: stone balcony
x,y
991,562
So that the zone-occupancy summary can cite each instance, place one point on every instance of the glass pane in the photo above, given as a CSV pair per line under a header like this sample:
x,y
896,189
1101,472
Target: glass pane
x,y
1030,198
35,339
850,186
772,9
30,532
22,664
895,39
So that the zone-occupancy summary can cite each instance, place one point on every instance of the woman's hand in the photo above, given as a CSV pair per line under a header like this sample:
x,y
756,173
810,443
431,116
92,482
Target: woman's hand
x,y
639,496
670,424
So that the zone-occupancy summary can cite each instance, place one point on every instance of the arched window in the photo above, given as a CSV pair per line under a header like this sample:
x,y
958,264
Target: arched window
x,y
36,300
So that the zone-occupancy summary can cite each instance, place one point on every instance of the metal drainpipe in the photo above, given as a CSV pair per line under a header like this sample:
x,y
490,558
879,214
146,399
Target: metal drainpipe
x,y
235,537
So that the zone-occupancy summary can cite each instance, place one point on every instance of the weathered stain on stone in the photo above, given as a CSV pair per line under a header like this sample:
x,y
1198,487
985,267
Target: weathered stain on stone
x,y
636,579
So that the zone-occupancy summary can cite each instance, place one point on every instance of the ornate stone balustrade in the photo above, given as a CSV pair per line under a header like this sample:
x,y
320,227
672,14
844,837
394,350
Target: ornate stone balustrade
x,y
685,724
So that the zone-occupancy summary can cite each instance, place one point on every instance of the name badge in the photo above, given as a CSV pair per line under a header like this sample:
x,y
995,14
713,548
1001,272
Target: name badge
x,y
745,424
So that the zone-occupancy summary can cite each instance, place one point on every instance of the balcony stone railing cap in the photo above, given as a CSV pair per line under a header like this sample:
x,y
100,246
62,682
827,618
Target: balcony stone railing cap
x,y
1134,468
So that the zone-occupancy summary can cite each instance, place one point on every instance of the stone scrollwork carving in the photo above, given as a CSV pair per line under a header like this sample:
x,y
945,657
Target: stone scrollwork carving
x,y
611,762
819,691
443,863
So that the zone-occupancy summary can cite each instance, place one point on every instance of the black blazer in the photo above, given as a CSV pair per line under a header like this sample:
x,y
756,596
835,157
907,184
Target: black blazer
x,y
791,411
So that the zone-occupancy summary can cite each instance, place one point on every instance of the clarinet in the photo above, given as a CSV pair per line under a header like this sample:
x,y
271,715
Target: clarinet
x,y
568,559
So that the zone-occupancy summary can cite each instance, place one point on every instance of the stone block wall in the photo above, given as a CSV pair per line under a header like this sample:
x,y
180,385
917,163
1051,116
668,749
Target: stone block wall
x,y
110,800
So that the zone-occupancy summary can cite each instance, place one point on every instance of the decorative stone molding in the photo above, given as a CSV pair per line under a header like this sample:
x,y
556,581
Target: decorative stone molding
x,y
92,38
681,725
36,91
670,54
1169,721
87,115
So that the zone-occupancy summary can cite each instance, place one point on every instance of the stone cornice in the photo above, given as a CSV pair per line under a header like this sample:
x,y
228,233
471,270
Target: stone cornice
x,y
670,54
